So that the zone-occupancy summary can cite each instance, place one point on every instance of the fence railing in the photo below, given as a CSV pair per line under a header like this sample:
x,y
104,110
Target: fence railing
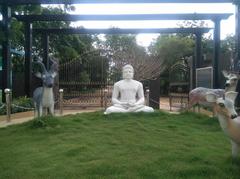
x,y
9,104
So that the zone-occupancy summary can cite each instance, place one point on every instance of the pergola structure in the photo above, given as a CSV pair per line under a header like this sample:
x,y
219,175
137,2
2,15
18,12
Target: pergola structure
x,y
29,19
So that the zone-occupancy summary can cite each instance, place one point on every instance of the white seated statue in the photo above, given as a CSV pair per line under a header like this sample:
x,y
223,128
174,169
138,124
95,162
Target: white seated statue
x,y
128,94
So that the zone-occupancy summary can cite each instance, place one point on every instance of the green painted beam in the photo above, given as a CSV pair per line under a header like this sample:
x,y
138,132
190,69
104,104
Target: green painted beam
x,y
23,2
121,31
68,17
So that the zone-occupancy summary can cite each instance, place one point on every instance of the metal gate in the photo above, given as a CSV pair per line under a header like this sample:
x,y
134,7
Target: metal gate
x,y
86,83
179,84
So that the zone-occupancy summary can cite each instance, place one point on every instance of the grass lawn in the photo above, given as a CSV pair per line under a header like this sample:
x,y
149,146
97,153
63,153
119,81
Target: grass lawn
x,y
92,145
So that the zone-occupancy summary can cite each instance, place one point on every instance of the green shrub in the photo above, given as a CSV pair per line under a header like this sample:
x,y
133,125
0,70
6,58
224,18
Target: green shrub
x,y
20,104
45,122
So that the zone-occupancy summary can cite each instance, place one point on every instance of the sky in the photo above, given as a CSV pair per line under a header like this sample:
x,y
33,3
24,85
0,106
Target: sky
x,y
227,26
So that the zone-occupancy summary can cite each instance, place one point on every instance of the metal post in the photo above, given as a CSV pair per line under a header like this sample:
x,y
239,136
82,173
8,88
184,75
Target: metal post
x,y
216,52
102,96
191,72
181,101
198,49
154,93
8,104
28,59
170,102
61,101
6,66
105,98
237,32
46,50
147,97
193,75
237,56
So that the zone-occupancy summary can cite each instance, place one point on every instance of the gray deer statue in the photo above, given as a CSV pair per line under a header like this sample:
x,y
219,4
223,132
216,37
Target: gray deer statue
x,y
43,97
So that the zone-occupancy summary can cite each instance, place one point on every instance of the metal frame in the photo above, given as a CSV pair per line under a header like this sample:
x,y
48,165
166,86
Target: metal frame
x,y
6,46
216,18
7,19
154,96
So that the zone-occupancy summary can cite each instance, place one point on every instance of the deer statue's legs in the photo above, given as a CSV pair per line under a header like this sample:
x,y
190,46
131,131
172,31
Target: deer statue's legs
x,y
35,110
198,106
45,111
235,149
214,112
51,110
40,110
194,107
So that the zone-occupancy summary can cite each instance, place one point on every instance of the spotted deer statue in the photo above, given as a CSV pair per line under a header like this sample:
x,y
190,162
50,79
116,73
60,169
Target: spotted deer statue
x,y
227,117
198,95
43,97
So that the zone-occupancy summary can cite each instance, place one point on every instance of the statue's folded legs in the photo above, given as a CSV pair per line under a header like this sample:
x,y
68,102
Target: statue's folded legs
x,y
140,108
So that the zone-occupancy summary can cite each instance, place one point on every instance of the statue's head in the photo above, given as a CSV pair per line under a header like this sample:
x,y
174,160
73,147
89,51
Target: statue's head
x,y
127,72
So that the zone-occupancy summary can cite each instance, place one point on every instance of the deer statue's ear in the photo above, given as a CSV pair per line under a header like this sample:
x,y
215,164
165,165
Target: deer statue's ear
x,y
38,74
231,95
54,74
211,97
225,73
54,66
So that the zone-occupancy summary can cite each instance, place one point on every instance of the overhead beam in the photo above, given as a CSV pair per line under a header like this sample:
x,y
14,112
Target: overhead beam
x,y
216,54
121,31
23,2
28,59
6,46
68,17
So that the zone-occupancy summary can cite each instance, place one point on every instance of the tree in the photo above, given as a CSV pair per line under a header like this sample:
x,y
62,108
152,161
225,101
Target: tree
x,y
171,48
123,49
65,47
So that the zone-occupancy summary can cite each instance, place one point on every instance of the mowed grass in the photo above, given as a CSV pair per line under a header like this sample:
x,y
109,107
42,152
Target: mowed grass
x,y
92,145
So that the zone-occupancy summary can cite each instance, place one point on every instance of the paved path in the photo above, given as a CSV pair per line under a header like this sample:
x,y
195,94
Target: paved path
x,y
26,116
19,118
